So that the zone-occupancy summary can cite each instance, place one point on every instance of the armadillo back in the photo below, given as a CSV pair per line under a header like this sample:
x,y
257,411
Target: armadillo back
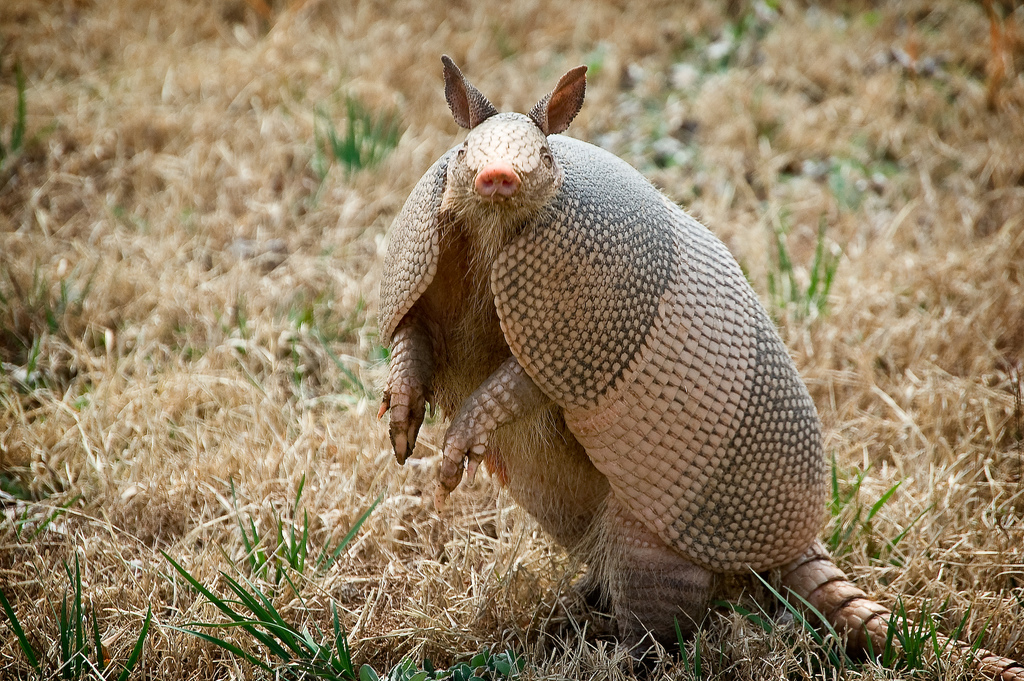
x,y
637,321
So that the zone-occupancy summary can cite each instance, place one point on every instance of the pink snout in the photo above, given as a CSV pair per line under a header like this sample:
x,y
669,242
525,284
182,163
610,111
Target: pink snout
x,y
497,181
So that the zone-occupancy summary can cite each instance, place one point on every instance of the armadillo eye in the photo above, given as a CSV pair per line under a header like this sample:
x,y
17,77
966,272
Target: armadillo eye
x,y
461,154
546,158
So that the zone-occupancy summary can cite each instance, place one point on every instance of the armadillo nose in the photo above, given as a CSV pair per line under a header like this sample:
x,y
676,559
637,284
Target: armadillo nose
x,y
497,181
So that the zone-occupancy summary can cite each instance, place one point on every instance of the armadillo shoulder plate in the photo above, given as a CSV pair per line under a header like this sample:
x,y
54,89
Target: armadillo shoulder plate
x,y
411,260
578,291
638,322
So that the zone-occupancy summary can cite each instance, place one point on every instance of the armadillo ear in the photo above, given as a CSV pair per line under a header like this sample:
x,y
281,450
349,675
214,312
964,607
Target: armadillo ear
x,y
469,106
555,112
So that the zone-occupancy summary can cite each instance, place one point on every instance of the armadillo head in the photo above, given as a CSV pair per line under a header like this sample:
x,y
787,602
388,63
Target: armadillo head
x,y
504,172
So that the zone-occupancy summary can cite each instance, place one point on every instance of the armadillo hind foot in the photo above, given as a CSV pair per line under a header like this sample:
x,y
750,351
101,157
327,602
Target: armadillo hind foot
x,y
865,623
650,586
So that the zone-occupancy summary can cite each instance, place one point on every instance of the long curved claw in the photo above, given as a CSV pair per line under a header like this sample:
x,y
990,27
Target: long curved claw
x,y
471,467
451,472
407,402
440,496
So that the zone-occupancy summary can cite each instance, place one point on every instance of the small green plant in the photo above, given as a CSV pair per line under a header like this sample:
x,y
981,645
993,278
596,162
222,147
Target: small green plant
x,y
367,138
912,635
316,653
17,138
284,550
807,618
483,665
41,312
25,519
909,642
696,669
843,185
351,384
848,523
852,521
80,646
287,548
595,60
322,656
830,641
26,647
787,295
317,318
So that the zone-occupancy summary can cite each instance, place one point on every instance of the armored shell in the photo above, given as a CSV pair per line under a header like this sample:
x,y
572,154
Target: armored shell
x,y
639,324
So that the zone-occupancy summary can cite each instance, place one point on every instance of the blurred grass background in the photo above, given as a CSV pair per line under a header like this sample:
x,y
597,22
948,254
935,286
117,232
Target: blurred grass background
x,y
194,200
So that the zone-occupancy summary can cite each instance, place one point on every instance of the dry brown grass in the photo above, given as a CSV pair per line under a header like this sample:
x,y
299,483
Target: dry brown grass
x,y
179,347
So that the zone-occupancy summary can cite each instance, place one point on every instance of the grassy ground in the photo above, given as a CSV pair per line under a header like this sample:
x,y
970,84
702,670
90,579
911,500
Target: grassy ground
x,y
188,291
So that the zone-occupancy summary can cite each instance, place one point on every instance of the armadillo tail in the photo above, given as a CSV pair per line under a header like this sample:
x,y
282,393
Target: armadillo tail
x,y
815,578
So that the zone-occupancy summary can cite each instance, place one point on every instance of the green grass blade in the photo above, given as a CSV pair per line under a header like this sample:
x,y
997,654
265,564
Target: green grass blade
x,y
259,558
264,611
821,282
26,648
272,622
354,383
889,652
877,506
981,636
65,637
269,618
217,602
799,616
97,641
18,132
749,615
298,495
304,546
342,653
682,646
698,666
934,634
327,561
231,648
245,541
955,636
250,552
53,516
901,535
136,653
249,626
79,620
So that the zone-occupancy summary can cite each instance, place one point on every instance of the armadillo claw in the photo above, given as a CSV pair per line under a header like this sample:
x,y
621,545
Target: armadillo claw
x,y
440,497
471,467
407,402
465,442
450,475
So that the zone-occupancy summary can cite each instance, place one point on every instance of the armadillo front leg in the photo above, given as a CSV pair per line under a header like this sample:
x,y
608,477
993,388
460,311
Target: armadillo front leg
x,y
504,396
408,385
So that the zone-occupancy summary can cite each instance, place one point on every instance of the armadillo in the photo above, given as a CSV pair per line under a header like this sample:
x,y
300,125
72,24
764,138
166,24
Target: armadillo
x,y
602,353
